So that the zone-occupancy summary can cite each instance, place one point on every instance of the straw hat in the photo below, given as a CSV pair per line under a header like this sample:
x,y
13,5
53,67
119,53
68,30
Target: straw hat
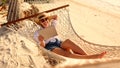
x,y
41,16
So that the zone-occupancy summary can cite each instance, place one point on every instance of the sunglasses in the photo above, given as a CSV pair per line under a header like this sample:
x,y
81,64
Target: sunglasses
x,y
44,19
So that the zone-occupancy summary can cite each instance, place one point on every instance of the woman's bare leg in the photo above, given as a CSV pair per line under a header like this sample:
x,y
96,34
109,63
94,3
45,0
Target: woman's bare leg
x,y
77,56
95,56
68,44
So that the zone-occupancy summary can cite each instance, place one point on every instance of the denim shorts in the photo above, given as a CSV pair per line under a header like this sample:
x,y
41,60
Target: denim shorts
x,y
51,45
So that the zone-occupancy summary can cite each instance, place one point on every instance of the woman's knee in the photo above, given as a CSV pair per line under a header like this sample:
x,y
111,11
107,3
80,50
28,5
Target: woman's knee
x,y
67,44
67,40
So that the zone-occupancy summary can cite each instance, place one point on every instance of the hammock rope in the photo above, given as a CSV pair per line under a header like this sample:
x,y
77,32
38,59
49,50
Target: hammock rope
x,y
66,31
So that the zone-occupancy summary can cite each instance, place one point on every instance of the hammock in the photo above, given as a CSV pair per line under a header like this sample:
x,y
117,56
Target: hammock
x,y
64,29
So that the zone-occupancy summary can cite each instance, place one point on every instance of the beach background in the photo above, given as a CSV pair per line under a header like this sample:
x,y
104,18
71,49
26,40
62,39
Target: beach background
x,y
96,21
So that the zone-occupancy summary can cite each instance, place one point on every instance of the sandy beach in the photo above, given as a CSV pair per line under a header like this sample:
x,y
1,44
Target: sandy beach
x,y
91,20
97,21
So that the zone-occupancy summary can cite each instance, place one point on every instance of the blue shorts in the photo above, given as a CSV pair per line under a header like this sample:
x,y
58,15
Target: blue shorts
x,y
51,45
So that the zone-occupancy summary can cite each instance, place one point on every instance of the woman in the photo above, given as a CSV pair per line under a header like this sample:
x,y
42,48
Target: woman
x,y
65,48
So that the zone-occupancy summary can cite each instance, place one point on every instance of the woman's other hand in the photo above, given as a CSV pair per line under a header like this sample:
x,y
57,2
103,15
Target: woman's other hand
x,y
40,38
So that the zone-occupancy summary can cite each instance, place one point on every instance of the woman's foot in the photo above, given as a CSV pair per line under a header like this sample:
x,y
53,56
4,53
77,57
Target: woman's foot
x,y
95,56
102,54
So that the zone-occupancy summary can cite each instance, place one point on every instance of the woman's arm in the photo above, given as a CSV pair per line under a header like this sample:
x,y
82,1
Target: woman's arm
x,y
54,17
53,20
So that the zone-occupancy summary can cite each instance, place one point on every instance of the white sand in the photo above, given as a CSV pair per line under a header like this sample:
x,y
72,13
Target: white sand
x,y
18,52
97,21
90,20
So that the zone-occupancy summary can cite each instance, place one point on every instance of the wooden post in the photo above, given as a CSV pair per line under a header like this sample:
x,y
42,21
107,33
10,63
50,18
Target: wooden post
x,y
13,10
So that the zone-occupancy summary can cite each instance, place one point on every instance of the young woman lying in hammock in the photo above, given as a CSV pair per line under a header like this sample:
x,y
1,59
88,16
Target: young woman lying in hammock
x,y
55,45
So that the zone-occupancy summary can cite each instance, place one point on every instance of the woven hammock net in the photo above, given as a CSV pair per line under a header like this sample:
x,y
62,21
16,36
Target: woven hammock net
x,y
64,29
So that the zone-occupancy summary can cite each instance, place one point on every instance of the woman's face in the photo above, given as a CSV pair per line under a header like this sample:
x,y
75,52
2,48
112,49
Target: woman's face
x,y
44,22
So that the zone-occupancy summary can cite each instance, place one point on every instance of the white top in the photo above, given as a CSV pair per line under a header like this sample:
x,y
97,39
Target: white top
x,y
52,39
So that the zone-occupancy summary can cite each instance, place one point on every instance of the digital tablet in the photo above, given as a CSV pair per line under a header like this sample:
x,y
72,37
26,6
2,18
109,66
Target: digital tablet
x,y
48,32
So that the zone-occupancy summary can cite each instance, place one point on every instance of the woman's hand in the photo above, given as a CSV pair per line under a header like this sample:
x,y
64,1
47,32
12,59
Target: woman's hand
x,y
53,17
41,39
